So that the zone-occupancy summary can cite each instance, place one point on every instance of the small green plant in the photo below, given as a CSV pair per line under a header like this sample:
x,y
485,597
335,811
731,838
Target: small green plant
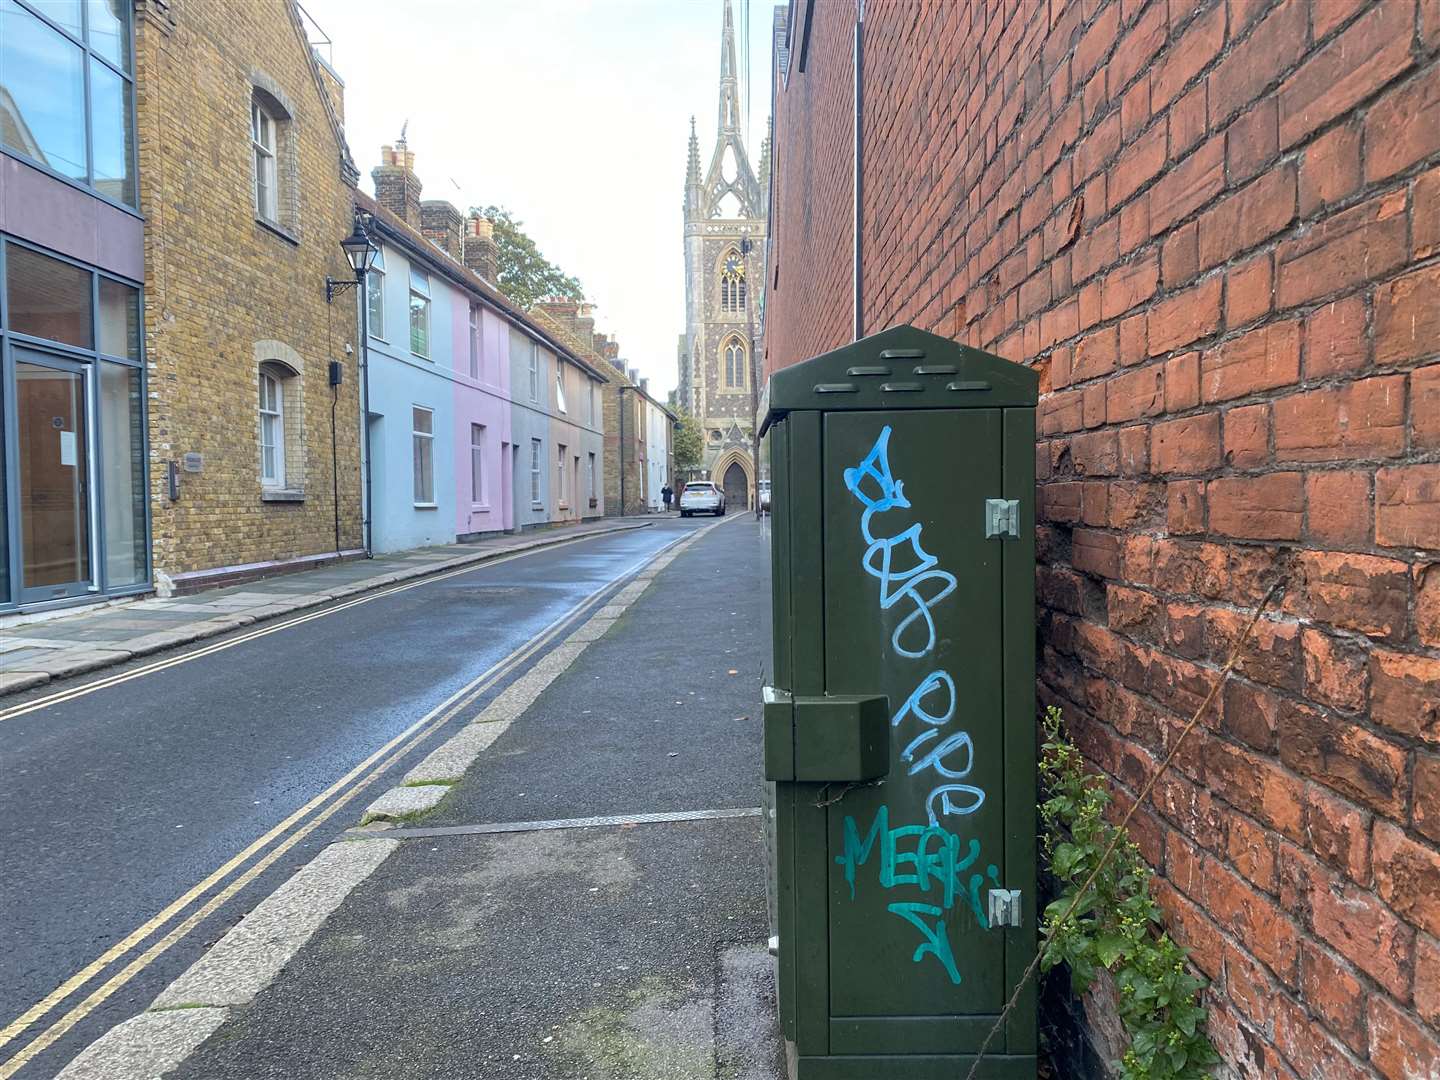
x,y
1116,925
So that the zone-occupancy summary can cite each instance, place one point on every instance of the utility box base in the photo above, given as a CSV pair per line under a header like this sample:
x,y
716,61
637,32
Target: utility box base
x,y
900,733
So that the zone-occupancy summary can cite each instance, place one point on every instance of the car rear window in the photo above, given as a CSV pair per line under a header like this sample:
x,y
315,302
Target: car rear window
x,y
701,488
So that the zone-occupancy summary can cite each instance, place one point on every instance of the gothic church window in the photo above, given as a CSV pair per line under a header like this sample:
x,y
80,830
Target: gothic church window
x,y
735,356
732,283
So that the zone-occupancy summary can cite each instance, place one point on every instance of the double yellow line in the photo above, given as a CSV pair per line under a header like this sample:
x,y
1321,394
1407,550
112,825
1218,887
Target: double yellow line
x,y
356,780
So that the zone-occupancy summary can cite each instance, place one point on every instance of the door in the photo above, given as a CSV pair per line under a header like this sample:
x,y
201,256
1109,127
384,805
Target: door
x,y
913,592
737,488
53,474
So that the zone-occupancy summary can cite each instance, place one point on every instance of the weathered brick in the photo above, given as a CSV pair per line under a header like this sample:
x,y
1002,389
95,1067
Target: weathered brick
x,y
1403,127
1330,168
1249,985
1427,979
1250,714
1344,756
1357,245
1262,359
1188,568
1425,213
1269,507
1093,398
1249,290
1338,833
1135,450
1426,816
1407,876
1425,407
1096,453
1185,507
1257,786
1271,655
1096,354
1363,58
1354,592
1188,120
1335,338
1353,922
1182,382
1336,671
1137,165
1401,1047
1095,503
1405,694
1255,919
1308,1048
1096,553
1407,317
1128,285
1189,185
1180,255
1252,141
1190,927
1407,506
1330,987
1249,217
1186,446
1134,612
1364,419
1187,56
1247,436
1134,394
1252,65
1251,851
1185,317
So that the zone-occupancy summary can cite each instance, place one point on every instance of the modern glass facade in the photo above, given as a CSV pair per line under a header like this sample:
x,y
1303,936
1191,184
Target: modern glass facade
x,y
74,514
67,91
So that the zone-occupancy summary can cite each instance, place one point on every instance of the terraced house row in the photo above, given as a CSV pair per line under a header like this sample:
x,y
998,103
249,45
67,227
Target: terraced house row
x,y
187,396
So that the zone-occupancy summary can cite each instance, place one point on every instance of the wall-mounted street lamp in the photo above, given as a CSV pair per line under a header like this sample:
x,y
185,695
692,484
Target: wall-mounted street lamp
x,y
360,253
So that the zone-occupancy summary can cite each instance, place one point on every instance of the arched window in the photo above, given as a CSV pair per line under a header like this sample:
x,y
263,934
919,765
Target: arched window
x,y
734,355
272,429
732,282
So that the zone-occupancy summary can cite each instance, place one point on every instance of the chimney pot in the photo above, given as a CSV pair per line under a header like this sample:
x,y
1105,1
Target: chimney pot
x,y
397,188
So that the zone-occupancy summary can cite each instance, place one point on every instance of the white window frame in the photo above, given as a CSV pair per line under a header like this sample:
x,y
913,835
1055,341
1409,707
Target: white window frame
x,y
475,341
477,465
560,463
560,385
534,372
422,456
590,399
264,127
272,439
590,474
420,289
375,296
537,462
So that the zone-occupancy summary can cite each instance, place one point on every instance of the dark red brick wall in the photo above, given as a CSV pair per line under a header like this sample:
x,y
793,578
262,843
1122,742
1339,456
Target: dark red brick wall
x,y
1214,228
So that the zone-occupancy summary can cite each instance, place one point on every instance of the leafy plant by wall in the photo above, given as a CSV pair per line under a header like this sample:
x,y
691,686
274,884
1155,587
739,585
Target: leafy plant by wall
x,y
1117,925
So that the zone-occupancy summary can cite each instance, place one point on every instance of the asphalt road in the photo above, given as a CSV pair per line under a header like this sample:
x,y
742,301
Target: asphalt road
x,y
614,952
118,802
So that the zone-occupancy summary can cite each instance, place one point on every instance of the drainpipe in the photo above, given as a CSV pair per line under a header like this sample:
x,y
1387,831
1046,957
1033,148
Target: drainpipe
x,y
363,295
859,135
620,455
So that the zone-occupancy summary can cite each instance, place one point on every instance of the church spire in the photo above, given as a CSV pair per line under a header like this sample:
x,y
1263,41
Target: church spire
x,y
692,174
729,78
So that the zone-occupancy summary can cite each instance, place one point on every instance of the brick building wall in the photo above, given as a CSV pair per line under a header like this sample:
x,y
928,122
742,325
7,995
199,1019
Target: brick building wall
x,y
1214,229
225,292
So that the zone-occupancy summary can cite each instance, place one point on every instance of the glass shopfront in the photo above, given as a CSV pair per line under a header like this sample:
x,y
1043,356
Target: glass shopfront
x,y
74,516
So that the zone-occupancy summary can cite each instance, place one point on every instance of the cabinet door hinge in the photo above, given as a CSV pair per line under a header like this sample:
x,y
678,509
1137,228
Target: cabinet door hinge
x,y
1002,519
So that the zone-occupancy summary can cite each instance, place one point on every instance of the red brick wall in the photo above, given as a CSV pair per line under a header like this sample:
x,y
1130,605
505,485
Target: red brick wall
x,y
1214,227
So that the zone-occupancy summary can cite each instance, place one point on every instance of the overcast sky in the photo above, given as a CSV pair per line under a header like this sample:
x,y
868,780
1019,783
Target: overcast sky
x,y
574,114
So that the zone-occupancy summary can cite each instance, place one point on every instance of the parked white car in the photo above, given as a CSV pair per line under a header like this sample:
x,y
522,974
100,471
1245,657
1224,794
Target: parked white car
x,y
702,497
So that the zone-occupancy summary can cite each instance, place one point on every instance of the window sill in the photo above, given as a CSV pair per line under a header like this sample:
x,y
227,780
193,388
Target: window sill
x,y
278,229
537,506
281,495
479,508
426,506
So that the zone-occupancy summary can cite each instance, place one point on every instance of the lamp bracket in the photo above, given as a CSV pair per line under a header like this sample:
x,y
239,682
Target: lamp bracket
x,y
333,286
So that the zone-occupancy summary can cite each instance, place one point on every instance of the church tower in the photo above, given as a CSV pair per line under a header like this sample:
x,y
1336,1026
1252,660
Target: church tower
x,y
724,264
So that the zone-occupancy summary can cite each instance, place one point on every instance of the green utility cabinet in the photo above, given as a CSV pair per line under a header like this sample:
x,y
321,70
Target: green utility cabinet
x,y
900,730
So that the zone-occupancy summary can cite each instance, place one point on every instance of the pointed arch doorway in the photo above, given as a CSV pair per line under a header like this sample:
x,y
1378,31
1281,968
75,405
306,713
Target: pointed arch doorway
x,y
737,487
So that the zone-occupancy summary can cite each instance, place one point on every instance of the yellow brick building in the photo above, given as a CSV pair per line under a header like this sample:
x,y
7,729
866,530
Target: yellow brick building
x,y
247,190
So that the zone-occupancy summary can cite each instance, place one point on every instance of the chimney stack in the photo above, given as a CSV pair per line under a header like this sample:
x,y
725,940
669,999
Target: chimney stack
x,y
481,254
441,224
397,188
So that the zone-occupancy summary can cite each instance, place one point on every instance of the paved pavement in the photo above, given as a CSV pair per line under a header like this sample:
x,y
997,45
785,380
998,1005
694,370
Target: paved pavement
x,y
147,814
36,649
486,939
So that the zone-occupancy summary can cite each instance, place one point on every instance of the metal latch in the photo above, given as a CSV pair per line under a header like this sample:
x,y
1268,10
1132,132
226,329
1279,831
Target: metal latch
x,y
1004,907
1002,519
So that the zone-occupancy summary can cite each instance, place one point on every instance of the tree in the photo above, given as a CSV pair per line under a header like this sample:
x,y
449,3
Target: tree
x,y
522,273
689,442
